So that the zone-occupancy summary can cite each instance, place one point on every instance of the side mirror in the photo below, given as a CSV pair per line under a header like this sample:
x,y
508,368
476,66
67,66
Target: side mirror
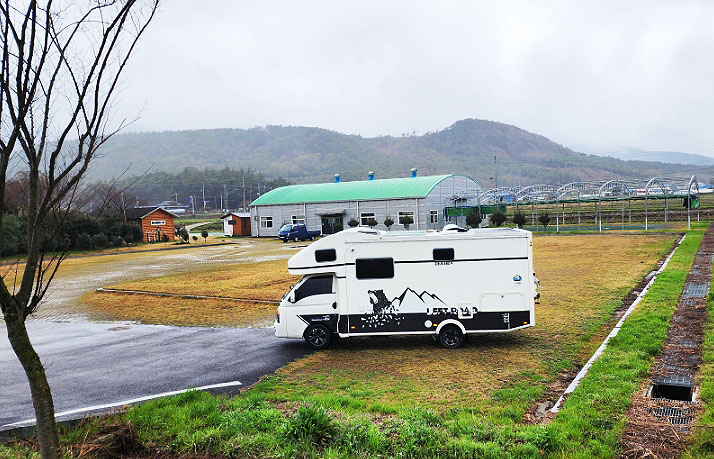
x,y
291,298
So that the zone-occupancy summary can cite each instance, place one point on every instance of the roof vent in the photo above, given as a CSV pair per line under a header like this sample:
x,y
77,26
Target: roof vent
x,y
371,175
414,172
337,178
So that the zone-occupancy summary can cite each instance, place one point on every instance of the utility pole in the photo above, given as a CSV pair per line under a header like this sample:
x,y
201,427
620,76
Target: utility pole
x,y
495,172
226,193
244,191
123,206
203,193
176,196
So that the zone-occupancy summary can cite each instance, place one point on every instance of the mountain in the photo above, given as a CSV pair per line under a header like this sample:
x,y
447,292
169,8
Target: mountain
x,y
309,154
670,157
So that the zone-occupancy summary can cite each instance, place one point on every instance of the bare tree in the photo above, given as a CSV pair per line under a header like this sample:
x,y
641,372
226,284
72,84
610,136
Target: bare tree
x,y
59,76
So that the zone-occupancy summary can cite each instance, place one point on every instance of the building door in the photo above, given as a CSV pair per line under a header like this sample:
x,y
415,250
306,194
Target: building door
x,y
331,224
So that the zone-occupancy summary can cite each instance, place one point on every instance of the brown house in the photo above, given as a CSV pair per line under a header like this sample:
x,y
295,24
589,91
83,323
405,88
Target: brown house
x,y
236,224
153,221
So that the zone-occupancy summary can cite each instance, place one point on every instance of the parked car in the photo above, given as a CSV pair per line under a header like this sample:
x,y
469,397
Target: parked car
x,y
296,232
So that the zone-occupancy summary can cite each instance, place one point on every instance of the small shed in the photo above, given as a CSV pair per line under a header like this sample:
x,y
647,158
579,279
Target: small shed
x,y
153,221
236,224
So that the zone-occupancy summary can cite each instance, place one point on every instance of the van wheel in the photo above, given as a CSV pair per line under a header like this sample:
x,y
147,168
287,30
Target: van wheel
x,y
451,337
318,336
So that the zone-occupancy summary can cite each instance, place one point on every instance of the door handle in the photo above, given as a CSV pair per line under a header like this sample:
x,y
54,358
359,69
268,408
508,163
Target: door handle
x,y
334,305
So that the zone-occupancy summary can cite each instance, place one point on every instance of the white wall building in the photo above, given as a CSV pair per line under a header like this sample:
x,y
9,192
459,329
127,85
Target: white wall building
x,y
329,207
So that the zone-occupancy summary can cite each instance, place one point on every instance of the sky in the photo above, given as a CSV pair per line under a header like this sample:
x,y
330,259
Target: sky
x,y
593,75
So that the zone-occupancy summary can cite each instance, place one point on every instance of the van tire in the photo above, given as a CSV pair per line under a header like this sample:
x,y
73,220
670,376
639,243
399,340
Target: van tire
x,y
451,337
318,336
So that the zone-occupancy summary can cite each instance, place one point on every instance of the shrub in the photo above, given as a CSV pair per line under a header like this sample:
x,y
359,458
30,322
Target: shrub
x,y
204,235
353,223
372,222
195,238
164,238
84,241
388,222
406,221
474,219
312,424
519,219
544,219
118,241
498,218
100,240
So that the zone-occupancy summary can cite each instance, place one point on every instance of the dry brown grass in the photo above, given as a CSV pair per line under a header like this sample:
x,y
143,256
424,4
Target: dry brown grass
x,y
583,279
267,280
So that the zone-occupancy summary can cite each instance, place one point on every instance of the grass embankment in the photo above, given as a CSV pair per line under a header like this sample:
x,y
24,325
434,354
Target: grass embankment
x,y
267,280
701,443
405,397
591,421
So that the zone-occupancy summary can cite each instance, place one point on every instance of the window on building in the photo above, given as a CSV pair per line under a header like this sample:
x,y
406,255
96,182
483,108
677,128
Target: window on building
x,y
364,216
405,214
298,219
231,222
158,222
374,268
325,255
318,285
266,222
443,254
433,216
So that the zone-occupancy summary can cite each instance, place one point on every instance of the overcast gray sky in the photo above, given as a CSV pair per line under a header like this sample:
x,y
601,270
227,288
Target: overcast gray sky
x,y
590,75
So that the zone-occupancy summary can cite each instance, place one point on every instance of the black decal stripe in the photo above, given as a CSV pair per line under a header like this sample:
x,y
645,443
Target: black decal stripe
x,y
413,261
463,259
415,322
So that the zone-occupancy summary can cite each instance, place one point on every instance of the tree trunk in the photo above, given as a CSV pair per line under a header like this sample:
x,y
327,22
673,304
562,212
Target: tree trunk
x,y
41,394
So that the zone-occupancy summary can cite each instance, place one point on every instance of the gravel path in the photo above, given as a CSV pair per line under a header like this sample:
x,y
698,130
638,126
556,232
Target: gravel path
x,y
77,277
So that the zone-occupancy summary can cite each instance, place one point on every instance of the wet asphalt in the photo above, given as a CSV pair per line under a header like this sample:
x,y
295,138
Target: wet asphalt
x,y
91,364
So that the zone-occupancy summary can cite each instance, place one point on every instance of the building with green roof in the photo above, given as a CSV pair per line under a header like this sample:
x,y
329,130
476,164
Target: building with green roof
x,y
329,207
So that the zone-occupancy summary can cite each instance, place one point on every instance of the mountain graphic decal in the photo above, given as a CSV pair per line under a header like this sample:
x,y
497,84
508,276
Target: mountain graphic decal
x,y
385,312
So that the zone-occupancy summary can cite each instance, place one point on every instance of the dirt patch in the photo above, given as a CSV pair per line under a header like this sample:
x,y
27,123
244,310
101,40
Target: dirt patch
x,y
658,427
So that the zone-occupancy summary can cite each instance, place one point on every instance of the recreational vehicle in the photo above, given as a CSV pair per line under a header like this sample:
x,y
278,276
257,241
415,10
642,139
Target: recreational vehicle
x,y
363,282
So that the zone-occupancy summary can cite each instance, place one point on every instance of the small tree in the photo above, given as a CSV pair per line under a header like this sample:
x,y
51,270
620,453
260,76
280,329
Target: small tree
x,y
352,223
406,221
498,218
195,238
388,222
544,219
204,235
372,222
474,219
519,219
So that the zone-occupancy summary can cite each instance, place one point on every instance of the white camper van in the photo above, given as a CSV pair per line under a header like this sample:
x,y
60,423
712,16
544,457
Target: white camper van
x,y
363,282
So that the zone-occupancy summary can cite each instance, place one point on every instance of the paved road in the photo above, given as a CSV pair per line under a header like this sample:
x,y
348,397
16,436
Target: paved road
x,y
92,364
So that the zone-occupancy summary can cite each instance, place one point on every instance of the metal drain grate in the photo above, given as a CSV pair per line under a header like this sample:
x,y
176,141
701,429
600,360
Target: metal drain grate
x,y
675,415
695,289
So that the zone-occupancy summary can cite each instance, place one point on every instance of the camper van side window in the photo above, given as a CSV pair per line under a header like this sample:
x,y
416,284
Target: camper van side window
x,y
374,268
318,285
326,255
443,254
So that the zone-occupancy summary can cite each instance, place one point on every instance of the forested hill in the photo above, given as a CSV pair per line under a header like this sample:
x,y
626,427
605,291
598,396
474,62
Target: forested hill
x,y
305,154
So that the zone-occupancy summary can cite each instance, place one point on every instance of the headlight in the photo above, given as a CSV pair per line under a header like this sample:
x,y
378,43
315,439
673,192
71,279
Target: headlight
x,y
277,315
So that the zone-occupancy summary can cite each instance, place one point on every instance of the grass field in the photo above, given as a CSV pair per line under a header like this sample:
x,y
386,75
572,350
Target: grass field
x,y
263,281
406,397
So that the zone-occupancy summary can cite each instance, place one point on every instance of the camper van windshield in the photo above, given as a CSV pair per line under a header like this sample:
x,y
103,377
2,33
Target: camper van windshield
x,y
286,228
317,285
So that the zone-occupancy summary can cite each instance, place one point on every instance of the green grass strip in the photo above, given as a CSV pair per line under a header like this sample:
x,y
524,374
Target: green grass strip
x,y
702,440
591,421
